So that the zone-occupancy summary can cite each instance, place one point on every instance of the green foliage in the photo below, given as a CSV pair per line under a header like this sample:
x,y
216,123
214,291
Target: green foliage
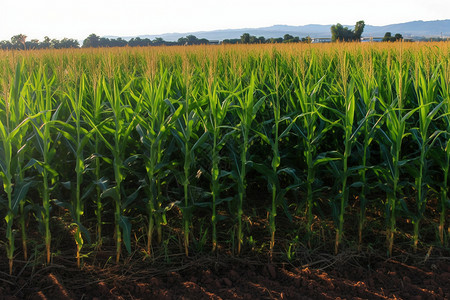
x,y
155,144
389,38
344,34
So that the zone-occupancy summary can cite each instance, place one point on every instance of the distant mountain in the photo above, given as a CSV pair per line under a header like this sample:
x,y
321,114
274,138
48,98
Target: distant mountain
x,y
410,29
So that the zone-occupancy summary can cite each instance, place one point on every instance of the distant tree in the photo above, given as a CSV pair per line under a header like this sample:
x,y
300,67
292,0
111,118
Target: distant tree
x,y
231,41
337,32
287,38
341,33
119,42
45,44
146,42
192,39
135,42
104,42
261,40
33,44
138,42
92,41
182,41
387,37
54,44
307,40
6,45
359,28
69,43
275,40
158,41
19,41
245,38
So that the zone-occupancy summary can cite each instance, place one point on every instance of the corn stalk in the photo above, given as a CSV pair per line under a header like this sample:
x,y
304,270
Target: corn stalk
x,y
426,91
13,130
153,129
214,116
246,111
124,117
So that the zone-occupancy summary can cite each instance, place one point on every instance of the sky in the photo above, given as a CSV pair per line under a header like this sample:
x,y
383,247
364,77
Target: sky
x,y
79,18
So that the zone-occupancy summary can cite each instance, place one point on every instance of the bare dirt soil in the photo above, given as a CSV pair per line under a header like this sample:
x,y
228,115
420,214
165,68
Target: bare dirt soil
x,y
349,275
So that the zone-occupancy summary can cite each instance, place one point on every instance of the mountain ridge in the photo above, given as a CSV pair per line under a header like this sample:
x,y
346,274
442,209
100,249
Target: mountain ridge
x,y
412,29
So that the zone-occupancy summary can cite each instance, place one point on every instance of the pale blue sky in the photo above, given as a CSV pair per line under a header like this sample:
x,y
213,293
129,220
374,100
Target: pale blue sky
x,y
77,19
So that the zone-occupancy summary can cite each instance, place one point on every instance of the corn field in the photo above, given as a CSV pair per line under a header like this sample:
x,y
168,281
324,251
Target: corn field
x,y
185,148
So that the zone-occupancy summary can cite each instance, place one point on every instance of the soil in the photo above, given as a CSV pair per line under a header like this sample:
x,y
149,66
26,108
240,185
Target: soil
x,y
315,273
348,275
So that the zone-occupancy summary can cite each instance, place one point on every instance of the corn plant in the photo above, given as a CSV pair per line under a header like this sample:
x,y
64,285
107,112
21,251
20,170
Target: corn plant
x,y
343,95
271,134
276,158
391,142
153,129
246,110
41,101
426,91
94,117
310,126
369,121
214,116
77,138
13,131
439,148
22,184
441,153
188,140
124,117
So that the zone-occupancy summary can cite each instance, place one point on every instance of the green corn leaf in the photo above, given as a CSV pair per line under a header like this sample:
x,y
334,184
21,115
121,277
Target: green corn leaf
x,y
257,106
200,141
84,231
34,163
111,193
222,200
64,204
323,158
19,194
265,171
87,192
131,198
125,225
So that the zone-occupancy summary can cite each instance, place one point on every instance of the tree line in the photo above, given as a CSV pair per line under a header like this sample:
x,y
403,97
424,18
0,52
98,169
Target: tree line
x,y
94,41
19,42
338,33
246,38
389,38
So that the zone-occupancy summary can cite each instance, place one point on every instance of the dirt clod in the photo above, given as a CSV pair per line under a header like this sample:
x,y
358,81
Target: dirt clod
x,y
272,271
227,282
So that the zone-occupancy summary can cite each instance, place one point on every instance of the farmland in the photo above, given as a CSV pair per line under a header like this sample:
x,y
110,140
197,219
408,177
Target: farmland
x,y
165,153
